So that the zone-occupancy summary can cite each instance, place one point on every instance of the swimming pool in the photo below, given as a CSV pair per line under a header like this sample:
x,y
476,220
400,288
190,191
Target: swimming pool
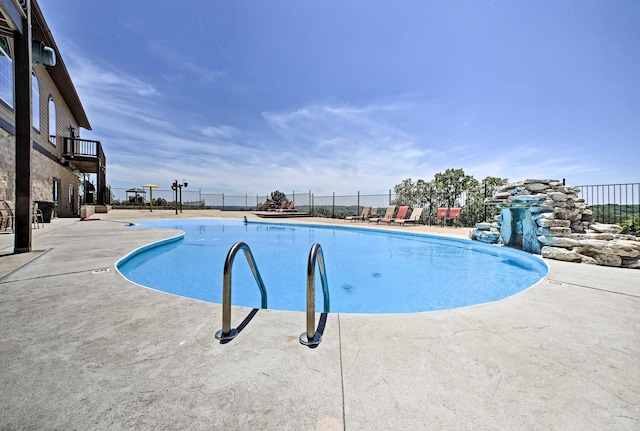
x,y
368,271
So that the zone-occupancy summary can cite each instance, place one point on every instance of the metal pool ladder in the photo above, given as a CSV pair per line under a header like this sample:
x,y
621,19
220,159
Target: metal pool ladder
x,y
227,332
313,337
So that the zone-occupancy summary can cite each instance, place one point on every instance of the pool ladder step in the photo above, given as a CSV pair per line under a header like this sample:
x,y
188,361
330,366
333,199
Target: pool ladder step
x,y
312,337
227,332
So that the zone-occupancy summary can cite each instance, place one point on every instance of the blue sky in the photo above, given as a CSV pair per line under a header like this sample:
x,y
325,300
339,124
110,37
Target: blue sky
x,y
250,96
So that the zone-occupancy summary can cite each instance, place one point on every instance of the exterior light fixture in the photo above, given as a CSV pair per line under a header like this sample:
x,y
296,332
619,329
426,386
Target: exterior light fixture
x,y
41,54
177,188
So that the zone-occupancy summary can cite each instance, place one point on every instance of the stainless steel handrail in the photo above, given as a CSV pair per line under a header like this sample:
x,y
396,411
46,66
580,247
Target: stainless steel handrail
x,y
312,337
227,332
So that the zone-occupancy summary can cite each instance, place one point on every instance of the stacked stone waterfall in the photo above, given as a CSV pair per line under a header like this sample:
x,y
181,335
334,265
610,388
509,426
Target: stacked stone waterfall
x,y
547,217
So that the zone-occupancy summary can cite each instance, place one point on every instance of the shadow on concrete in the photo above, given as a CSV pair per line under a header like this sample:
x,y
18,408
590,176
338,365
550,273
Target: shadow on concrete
x,y
244,323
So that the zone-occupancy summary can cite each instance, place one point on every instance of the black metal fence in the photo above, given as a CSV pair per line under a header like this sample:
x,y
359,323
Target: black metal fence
x,y
334,204
610,203
613,203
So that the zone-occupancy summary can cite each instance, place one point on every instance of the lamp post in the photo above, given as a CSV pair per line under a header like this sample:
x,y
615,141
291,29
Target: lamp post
x,y
184,184
177,188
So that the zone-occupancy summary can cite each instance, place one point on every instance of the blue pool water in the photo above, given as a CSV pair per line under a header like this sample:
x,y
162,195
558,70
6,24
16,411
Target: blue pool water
x,y
368,271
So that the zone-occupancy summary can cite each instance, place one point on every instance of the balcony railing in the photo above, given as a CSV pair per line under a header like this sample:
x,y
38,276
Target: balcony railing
x,y
75,147
87,156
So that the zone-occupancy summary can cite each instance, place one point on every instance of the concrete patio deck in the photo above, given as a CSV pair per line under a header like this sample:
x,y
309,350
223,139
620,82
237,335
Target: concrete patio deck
x,y
84,349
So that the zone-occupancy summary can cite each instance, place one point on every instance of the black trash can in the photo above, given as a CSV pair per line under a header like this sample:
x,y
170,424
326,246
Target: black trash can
x,y
47,208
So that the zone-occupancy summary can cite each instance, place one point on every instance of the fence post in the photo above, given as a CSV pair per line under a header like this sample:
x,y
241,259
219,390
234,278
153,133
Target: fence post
x,y
333,206
389,197
223,202
484,204
358,209
246,202
310,212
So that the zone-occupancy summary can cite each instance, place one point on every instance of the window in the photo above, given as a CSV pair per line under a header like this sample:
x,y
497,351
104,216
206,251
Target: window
x,y
56,194
6,71
52,121
35,94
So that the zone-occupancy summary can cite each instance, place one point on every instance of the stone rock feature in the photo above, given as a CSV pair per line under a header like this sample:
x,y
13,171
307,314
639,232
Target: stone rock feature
x,y
487,232
548,218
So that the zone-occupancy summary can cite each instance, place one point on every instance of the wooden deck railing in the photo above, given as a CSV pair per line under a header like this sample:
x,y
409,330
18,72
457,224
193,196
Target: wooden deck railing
x,y
82,147
88,157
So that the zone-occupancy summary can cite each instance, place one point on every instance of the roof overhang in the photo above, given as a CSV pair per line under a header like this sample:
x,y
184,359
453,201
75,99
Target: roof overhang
x,y
12,16
59,73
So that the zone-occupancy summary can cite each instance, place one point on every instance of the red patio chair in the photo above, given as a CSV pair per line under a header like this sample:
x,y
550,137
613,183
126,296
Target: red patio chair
x,y
454,214
402,213
442,215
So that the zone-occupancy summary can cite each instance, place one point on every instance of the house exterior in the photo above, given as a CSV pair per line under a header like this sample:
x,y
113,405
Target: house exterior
x,y
59,156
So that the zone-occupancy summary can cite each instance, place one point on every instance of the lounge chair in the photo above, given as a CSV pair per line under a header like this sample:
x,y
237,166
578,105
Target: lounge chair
x,y
365,214
402,213
284,207
416,213
387,215
454,214
6,217
271,206
373,213
442,214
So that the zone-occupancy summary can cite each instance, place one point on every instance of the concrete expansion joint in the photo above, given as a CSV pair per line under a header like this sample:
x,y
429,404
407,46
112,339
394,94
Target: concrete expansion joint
x,y
39,254
605,290
83,271
344,415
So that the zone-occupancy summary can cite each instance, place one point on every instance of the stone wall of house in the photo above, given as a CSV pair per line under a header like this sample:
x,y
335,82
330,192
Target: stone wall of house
x,y
43,172
547,217
7,165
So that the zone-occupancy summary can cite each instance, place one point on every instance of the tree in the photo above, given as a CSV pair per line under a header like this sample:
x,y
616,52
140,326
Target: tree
x,y
425,194
491,184
278,198
160,202
451,184
475,209
451,188
405,193
274,202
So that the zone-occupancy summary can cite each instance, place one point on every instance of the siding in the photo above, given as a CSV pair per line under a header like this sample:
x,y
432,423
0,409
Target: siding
x,y
45,155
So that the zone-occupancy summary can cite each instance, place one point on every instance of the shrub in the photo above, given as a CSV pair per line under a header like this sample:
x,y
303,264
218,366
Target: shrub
x,y
631,225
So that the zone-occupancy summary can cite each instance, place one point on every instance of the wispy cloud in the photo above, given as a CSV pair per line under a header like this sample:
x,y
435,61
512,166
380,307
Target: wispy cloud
x,y
178,67
95,77
327,146
113,99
